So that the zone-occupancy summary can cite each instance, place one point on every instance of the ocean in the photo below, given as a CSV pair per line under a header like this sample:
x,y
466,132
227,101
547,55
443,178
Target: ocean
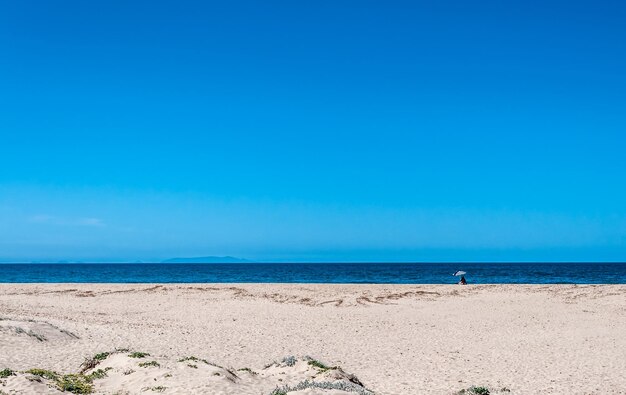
x,y
355,273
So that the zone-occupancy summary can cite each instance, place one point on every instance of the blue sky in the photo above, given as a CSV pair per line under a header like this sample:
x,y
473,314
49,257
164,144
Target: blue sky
x,y
409,131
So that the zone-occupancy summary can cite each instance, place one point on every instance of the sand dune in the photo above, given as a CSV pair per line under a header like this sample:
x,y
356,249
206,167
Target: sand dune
x,y
395,339
127,372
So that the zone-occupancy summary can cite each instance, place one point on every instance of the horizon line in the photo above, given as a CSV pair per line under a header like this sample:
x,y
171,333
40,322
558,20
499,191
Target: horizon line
x,y
296,262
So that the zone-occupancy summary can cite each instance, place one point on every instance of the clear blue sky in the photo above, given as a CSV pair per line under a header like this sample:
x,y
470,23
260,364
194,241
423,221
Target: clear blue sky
x,y
313,130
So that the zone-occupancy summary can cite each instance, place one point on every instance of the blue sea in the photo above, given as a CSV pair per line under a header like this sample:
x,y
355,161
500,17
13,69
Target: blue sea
x,y
356,273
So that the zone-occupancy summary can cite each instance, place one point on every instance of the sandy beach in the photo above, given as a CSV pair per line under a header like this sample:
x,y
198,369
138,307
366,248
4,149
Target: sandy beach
x,y
382,339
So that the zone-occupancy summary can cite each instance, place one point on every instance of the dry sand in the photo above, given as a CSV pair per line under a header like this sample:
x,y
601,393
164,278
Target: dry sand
x,y
396,339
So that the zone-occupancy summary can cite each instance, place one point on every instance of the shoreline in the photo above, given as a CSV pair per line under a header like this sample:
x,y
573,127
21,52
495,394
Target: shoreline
x,y
396,338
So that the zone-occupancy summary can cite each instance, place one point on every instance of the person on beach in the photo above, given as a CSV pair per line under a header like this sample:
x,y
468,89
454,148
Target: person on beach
x,y
462,281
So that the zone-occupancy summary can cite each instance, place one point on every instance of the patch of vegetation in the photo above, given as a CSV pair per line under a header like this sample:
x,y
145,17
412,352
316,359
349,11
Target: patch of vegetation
x,y
75,383
122,350
46,374
327,385
473,390
148,364
247,370
138,354
101,356
98,374
167,375
289,361
195,359
321,366
6,373
232,373
159,388
127,372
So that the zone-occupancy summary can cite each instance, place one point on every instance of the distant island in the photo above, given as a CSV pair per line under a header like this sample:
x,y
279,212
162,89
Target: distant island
x,y
208,259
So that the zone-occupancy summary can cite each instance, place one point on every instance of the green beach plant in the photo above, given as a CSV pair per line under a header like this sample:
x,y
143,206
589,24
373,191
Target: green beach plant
x,y
101,356
191,358
320,365
98,374
474,390
46,374
75,383
138,354
149,364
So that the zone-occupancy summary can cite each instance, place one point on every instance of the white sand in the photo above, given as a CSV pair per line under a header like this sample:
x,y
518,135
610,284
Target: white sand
x,y
396,339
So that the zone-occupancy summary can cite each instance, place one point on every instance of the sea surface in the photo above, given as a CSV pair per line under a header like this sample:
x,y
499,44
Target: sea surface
x,y
356,273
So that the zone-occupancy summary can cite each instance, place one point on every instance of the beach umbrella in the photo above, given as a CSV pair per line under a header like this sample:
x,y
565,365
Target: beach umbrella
x,y
459,273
